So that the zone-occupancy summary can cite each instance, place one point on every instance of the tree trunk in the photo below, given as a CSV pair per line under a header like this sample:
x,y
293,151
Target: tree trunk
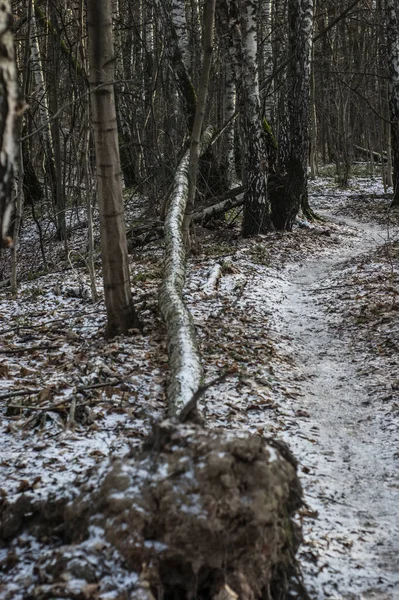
x,y
209,19
19,203
179,20
295,157
8,115
46,130
176,60
55,127
243,21
121,315
393,68
184,359
267,60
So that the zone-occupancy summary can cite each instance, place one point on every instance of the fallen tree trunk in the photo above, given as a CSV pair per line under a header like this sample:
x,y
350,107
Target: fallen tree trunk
x,y
144,235
184,358
367,153
230,200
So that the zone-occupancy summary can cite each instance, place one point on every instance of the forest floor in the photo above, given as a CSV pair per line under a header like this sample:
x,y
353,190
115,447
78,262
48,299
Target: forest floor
x,y
308,321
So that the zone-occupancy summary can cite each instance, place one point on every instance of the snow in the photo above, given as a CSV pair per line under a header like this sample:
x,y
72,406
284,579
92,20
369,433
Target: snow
x,y
305,320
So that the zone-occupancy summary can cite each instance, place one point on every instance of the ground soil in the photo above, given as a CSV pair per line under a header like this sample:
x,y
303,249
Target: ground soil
x,y
307,321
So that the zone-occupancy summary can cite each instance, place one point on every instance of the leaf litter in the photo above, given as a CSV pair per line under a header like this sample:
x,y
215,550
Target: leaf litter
x,y
308,322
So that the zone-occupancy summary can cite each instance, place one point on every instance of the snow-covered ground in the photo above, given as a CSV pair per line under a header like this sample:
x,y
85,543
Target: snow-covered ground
x,y
309,322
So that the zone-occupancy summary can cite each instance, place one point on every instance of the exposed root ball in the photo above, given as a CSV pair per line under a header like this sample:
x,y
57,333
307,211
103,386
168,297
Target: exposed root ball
x,y
198,510
194,514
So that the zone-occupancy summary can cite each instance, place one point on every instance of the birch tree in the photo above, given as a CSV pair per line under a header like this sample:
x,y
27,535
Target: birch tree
x,y
177,61
267,58
228,57
295,142
8,114
179,20
209,19
47,131
121,315
392,18
243,22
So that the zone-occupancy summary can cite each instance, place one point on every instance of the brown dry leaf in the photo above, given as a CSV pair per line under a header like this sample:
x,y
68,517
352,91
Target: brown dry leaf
x,y
45,395
72,336
80,357
25,371
4,371
90,590
110,391
302,413
97,453
24,485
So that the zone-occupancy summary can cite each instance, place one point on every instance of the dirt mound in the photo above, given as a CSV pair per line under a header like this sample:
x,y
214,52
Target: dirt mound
x,y
196,514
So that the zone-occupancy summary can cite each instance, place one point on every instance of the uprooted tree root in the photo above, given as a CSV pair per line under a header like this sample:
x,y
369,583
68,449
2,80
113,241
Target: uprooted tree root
x,y
194,514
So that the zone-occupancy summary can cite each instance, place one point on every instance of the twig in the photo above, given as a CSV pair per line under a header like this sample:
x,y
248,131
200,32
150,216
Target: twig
x,y
82,388
333,287
19,393
72,411
28,349
190,409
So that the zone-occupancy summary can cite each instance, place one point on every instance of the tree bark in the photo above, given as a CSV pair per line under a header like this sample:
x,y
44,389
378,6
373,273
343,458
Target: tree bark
x,y
46,129
227,51
209,19
393,69
8,115
176,60
242,23
184,358
121,315
295,151
178,16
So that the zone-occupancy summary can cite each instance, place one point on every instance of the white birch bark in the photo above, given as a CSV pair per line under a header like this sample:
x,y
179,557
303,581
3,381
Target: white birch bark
x,y
184,358
40,86
280,45
392,24
228,58
8,116
229,108
294,118
267,59
182,74
179,19
256,215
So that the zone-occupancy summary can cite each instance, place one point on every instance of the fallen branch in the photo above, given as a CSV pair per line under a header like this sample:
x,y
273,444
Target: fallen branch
x,y
83,388
19,393
376,155
27,349
140,236
191,408
213,279
234,198
184,358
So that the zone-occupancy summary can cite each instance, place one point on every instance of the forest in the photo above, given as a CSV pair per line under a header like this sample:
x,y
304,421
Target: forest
x,y
199,295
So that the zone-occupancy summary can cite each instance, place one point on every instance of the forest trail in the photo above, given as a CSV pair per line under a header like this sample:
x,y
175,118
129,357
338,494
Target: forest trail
x,y
347,450
308,322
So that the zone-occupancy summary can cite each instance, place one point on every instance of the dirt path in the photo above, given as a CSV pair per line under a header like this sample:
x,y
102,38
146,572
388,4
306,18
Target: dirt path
x,y
351,476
